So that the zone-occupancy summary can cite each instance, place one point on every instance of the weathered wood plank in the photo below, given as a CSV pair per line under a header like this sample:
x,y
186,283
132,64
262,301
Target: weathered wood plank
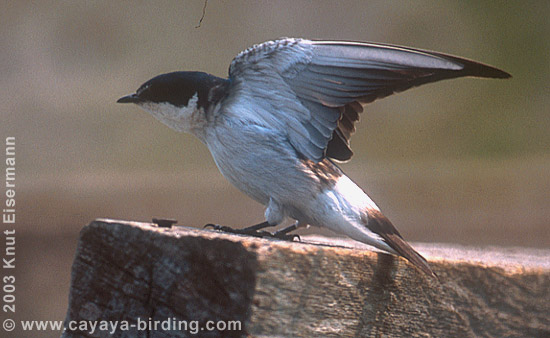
x,y
127,270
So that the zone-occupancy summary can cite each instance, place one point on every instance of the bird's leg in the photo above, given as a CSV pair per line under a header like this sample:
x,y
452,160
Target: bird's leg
x,y
251,230
257,227
256,231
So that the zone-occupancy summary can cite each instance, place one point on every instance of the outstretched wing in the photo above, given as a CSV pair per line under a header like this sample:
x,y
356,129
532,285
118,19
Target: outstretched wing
x,y
315,90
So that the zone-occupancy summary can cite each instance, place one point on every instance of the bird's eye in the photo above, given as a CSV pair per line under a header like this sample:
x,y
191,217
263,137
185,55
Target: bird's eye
x,y
142,89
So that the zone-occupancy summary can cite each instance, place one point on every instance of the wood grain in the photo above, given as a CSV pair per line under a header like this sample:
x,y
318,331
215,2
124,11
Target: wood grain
x,y
128,270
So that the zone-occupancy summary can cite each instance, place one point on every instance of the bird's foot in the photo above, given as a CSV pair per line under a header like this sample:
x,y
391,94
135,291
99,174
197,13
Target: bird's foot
x,y
245,231
256,231
284,234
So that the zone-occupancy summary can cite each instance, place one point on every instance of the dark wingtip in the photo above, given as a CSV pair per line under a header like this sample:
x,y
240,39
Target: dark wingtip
x,y
474,68
502,74
482,70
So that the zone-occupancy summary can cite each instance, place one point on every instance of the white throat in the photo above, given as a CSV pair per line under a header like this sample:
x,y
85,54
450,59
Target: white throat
x,y
189,118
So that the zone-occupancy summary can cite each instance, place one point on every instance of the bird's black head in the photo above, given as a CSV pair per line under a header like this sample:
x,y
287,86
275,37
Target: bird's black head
x,y
176,88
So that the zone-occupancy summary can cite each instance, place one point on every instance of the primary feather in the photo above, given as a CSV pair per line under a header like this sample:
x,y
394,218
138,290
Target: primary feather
x,y
332,80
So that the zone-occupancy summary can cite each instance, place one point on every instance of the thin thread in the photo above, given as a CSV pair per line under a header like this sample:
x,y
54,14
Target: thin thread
x,y
203,12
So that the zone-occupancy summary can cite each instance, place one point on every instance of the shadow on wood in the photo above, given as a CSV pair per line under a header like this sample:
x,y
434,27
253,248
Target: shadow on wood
x,y
192,280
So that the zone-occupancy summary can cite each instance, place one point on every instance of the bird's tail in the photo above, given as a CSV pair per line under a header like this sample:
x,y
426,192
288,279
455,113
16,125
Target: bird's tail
x,y
381,225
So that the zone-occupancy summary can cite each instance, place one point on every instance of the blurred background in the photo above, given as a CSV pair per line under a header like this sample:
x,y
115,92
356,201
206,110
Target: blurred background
x,y
464,161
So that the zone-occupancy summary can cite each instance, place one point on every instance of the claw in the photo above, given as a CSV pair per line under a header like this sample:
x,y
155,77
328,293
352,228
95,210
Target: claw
x,y
286,237
213,226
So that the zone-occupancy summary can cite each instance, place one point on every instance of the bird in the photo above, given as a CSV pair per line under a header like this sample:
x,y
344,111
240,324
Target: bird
x,y
278,126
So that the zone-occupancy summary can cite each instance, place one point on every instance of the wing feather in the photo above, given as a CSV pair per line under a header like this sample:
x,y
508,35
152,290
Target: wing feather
x,y
314,91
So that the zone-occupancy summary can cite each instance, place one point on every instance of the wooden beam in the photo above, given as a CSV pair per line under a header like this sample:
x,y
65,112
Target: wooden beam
x,y
137,272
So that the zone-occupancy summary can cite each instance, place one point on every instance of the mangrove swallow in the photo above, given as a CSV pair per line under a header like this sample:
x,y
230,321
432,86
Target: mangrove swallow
x,y
277,125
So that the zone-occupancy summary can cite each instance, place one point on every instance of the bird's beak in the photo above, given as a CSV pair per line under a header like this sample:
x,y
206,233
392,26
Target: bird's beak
x,y
132,98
